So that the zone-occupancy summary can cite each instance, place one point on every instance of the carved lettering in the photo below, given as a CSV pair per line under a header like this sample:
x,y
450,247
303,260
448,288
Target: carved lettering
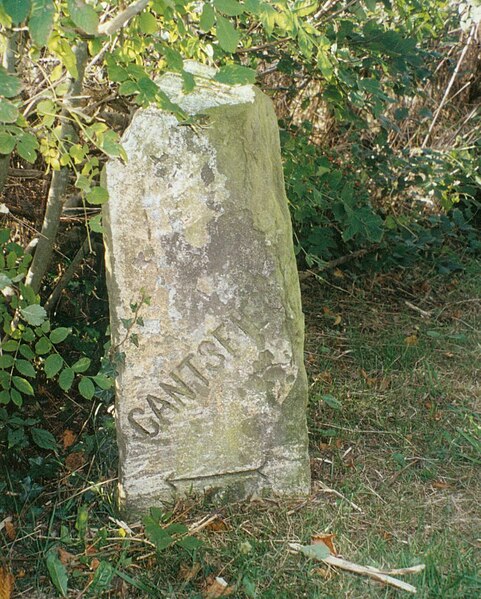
x,y
223,340
188,362
209,349
159,405
139,427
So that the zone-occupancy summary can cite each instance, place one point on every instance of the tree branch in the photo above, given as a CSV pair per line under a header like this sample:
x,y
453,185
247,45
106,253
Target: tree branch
x,y
56,195
113,25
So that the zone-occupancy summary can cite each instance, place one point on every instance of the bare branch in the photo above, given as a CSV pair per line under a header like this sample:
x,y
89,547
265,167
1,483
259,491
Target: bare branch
x,y
113,25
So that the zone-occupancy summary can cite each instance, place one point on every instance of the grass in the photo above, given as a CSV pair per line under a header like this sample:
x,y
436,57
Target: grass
x,y
395,431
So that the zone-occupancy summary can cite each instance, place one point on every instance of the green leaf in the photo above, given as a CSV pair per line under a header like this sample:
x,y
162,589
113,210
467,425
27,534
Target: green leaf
x,y
331,401
95,224
16,397
41,21
317,551
148,23
173,58
6,361
43,346
10,345
235,74
65,379
86,387
53,365
102,579
188,82
190,543
18,10
22,385
58,572
227,35
26,368
43,438
8,111
59,334
34,315
104,382
4,397
231,8
10,85
207,18
27,145
7,142
64,51
27,352
84,16
156,533
4,281
81,365
97,196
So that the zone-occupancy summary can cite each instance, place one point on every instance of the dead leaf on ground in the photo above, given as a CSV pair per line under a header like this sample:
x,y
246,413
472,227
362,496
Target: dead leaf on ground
x,y
94,564
439,484
187,573
411,340
337,320
327,539
6,583
68,438
10,529
326,573
217,587
217,525
66,557
338,273
75,460
323,377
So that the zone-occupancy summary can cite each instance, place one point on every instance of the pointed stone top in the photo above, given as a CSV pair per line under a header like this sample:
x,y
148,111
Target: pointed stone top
x,y
207,93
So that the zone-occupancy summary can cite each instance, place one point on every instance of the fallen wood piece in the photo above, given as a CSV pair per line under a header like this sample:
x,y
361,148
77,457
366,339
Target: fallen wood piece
x,y
369,571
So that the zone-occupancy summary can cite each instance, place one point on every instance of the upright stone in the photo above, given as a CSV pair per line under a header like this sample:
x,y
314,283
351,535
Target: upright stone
x,y
214,395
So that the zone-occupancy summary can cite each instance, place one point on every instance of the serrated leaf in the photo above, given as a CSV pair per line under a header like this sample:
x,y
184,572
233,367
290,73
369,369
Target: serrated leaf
x,y
81,365
102,579
53,364
22,385
18,10
8,111
156,533
235,74
59,334
34,315
207,18
26,368
43,438
231,8
16,397
188,82
10,85
6,361
86,387
65,379
190,543
43,346
173,58
27,352
84,16
227,35
57,572
41,21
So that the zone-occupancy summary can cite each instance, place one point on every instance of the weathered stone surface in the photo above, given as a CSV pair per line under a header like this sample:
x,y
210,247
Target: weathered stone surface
x,y
215,394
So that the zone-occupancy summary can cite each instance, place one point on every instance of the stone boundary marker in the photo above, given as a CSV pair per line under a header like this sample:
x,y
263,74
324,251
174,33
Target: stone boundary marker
x,y
214,396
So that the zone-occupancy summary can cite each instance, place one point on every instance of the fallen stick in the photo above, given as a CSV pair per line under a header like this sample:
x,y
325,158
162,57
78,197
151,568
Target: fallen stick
x,y
374,573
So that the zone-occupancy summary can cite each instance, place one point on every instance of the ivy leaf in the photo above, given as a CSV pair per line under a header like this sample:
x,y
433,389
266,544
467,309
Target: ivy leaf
x,y
59,334
81,365
18,10
8,111
227,35
86,387
10,85
41,21
58,572
43,438
235,74
53,365
65,379
231,8
26,368
35,315
84,16
207,18
22,385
